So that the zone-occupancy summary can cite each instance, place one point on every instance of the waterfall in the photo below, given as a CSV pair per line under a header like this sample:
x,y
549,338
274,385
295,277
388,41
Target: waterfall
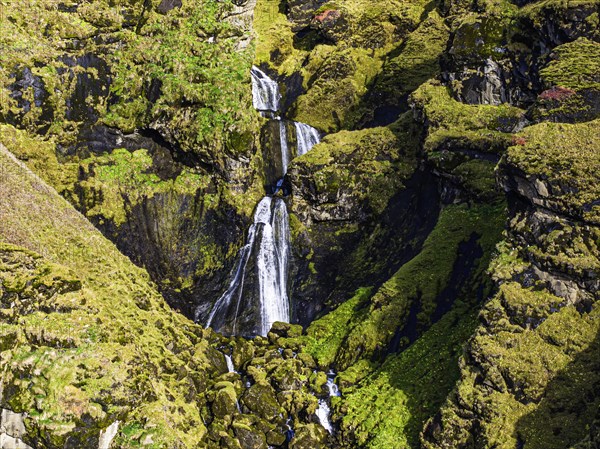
x,y
269,233
284,146
265,91
323,414
235,289
333,388
230,367
272,268
307,137
259,281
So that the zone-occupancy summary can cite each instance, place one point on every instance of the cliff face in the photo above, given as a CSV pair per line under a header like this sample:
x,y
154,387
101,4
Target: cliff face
x,y
530,373
97,77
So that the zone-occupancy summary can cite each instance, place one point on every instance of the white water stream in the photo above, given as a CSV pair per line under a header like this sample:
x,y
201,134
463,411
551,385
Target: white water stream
x,y
230,367
271,226
324,412
307,137
265,91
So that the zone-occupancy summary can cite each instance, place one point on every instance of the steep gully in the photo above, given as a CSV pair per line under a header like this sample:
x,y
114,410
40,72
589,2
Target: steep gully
x,y
258,290
266,251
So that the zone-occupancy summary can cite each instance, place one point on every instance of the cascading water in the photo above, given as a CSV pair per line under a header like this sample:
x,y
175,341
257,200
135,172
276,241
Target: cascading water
x,y
333,388
260,277
307,137
323,414
230,367
265,91
270,234
272,268
284,146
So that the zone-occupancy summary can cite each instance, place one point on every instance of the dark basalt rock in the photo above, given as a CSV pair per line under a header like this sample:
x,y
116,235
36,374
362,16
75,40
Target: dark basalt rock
x,y
338,265
301,12
167,5
26,80
88,89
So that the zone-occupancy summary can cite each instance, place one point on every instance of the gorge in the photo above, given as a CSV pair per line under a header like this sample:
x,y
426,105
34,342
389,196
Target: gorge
x,y
294,224
267,246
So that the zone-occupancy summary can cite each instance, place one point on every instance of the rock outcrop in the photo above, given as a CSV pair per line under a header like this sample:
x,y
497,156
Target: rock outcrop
x,y
544,394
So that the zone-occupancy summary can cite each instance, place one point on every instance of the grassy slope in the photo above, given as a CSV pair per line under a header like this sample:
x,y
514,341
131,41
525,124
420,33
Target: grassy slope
x,y
111,348
386,406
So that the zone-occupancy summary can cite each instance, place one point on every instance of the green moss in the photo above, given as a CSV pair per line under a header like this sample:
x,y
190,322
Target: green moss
x,y
326,335
388,408
537,376
341,80
451,121
162,68
477,176
275,35
89,339
482,36
362,327
575,65
181,58
565,158
340,64
40,156
368,165
123,179
417,60
540,11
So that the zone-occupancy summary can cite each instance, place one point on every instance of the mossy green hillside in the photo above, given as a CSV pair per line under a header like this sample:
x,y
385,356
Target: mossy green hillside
x,y
526,376
537,375
369,165
130,66
89,78
89,341
483,128
563,159
389,406
93,323
364,327
575,65
339,62
118,190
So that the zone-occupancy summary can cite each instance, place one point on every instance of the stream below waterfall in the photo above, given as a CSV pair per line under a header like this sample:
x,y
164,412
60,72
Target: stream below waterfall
x,y
257,294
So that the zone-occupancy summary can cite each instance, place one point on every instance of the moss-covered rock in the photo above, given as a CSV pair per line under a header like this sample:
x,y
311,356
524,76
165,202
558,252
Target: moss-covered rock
x,y
554,166
356,197
261,400
527,378
102,358
571,82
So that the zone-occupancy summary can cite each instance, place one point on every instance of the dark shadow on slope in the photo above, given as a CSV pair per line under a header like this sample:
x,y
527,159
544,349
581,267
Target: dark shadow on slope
x,y
417,381
569,404
370,255
461,281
